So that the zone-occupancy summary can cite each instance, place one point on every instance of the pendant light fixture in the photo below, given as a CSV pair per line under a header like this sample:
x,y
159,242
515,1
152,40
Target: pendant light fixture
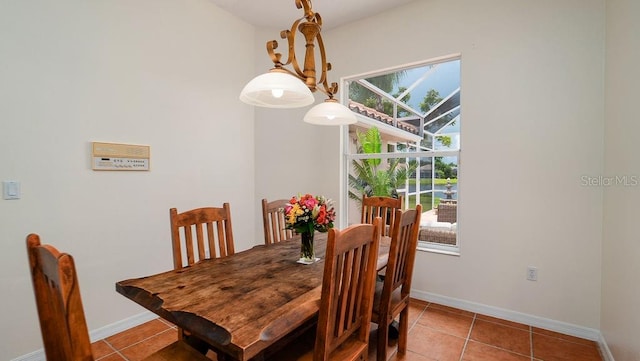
x,y
284,88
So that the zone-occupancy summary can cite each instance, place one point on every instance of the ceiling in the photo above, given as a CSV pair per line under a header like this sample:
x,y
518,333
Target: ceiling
x,y
280,14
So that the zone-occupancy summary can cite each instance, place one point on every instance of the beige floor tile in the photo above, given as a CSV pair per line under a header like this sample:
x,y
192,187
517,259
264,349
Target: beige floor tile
x,y
415,311
409,356
418,302
112,357
452,323
563,336
476,351
503,322
143,349
100,349
555,349
501,336
137,334
451,309
435,344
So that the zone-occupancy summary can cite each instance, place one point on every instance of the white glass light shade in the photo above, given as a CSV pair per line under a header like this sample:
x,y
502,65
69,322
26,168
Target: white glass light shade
x,y
277,89
330,112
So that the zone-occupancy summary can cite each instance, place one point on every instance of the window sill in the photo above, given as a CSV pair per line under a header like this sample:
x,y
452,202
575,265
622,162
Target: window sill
x,y
449,251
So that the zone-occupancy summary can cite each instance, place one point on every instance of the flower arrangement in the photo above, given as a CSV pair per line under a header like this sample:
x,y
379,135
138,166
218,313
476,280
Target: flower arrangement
x,y
307,213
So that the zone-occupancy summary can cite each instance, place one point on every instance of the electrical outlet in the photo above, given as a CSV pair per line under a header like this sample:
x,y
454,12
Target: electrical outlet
x,y
532,273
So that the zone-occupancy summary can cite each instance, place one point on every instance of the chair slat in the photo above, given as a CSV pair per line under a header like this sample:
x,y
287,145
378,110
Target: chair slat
x,y
274,222
383,207
217,239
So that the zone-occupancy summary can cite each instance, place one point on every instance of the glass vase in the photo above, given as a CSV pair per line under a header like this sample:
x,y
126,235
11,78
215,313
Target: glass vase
x,y
307,251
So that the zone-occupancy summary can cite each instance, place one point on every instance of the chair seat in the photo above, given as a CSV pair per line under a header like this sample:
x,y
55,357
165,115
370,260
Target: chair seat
x,y
178,350
396,301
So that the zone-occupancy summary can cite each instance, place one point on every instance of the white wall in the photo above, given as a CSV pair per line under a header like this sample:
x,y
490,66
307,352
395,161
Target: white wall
x,y
532,89
621,249
158,72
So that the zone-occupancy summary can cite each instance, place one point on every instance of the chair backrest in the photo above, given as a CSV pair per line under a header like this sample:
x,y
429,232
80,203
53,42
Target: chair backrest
x,y
402,254
347,286
212,229
273,221
448,212
384,207
55,284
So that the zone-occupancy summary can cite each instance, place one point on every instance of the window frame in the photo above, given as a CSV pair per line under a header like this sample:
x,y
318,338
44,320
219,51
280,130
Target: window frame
x,y
347,157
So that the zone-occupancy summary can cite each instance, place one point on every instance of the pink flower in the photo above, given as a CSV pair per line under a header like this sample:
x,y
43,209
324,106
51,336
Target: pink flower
x,y
308,201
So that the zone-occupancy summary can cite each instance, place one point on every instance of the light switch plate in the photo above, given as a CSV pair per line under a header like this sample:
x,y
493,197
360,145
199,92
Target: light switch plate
x,y
11,190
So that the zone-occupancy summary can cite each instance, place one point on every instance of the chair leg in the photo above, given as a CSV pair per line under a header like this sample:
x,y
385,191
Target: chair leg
x,y
403,330
383,340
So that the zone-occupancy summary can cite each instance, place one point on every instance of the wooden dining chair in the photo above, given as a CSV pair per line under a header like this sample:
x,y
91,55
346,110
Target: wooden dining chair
x,y
342,333
392,294
212,229
383,207
62,320
273,221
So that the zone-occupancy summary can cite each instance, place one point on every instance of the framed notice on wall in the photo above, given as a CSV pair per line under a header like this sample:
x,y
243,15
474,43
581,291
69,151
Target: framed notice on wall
x,y
114,156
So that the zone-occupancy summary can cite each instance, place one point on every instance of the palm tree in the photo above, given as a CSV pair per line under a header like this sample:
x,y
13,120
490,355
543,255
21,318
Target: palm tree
x,y
370,176
385,82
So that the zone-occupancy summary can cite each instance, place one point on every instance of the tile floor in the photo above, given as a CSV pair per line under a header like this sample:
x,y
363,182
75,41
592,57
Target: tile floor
x,y
436,332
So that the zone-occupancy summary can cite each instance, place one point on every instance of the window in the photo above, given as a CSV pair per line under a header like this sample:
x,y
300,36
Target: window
x,y
415,111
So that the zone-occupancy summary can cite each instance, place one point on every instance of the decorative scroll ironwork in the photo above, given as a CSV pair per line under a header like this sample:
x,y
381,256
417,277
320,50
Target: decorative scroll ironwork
x,y
310,26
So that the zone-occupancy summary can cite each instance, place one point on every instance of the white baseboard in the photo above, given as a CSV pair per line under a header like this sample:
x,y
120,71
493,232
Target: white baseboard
x,y
34,356
99,334
509,315
604,349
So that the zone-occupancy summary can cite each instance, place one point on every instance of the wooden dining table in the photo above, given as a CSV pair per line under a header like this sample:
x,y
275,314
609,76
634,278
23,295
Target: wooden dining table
x,y
242,304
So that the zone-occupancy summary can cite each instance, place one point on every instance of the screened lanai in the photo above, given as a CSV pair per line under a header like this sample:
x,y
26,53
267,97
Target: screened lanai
x,y
416,110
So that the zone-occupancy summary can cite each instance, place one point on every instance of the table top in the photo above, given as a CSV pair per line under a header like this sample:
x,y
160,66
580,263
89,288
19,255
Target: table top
x,y
243,303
